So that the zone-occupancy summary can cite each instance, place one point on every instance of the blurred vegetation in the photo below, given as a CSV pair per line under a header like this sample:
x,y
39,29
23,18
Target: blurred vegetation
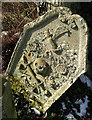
x,y
14,16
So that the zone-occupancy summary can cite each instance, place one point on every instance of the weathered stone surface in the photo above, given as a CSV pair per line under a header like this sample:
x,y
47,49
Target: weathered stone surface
x,y
49,56
8,108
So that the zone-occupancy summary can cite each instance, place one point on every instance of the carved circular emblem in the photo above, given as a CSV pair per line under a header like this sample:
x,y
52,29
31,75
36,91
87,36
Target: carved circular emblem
x,y
62,68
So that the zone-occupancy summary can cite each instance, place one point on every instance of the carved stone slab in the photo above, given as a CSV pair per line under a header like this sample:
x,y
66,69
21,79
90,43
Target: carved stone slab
x,y
49,56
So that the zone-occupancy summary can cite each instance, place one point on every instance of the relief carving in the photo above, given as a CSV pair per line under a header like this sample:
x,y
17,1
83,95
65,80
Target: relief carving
x,y
53,58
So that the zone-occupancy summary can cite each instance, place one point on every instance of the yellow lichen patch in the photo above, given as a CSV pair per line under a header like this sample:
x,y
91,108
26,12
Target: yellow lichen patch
x,y
19,87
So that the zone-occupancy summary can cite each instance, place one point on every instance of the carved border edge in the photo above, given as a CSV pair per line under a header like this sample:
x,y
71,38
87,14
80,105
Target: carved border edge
x,y
83,45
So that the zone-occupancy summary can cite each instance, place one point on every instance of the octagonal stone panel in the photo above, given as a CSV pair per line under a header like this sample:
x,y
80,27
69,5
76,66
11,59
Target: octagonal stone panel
x,y
49,57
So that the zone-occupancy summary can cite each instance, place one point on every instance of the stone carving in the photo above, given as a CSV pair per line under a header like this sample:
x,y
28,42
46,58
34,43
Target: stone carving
x,y
70,20
52,56
40,66
50,43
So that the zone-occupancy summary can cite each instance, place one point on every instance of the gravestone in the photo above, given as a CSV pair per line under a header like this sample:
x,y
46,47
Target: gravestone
x,y
49,57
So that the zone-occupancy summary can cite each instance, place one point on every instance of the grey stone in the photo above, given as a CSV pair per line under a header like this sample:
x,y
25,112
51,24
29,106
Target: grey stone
x,y
52,51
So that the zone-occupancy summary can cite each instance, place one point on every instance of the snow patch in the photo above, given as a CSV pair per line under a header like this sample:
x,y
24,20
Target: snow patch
x,y
7,78
70,117
69,101
36,111
63,106
85,79
4,33
25,106
5,84
45,114
83,106
78,101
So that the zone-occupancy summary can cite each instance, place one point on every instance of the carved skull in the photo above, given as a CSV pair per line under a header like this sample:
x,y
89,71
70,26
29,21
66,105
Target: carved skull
x,y
40,66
